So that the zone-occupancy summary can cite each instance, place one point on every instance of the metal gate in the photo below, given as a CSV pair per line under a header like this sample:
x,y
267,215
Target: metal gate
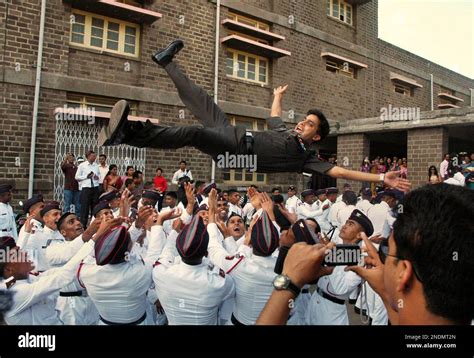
x,y
78,137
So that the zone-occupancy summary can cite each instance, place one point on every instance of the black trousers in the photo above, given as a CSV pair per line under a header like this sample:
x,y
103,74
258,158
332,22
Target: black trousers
x,y
89,199
215,136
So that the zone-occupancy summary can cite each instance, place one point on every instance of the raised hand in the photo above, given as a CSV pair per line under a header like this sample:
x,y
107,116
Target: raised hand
x,y
254,198
143,213
393,180
291,217
91,230
280,90
107,225
126,202
168,215
267,204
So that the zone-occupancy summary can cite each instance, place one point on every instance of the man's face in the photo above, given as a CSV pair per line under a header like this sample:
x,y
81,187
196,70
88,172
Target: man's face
x,y
204,214
222,209
138,180
114,203
182,166
446,157
104,214
236,226
332,197
51,218
309,199
92,157
308,128
291,193
35,210
276,192
6,197
102,160
391,274
71,227
322,197
351,232
225,195
234,198
170,201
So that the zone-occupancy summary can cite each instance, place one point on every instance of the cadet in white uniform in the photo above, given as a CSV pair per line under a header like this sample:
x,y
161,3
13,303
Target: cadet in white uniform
x,y
308,208
7,218
234,198
188,287
323,220
293,201
327,305
32,207
73,304
34,298
364,204
251,269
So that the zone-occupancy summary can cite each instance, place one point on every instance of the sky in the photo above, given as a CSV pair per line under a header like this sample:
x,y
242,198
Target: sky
x,y
441,31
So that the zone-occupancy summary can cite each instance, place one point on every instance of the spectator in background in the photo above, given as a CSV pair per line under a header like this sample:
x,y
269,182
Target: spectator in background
x,y
112,180
181,173
138,189
88,177
404,169
276,191
71,187
457,178
443,167
159,181
129,185
388,164
365,168
128,174
103,169
433,176
381,168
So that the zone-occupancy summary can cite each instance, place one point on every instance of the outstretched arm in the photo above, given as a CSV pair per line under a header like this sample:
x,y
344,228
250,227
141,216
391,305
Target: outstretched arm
x,y
275,121
391,179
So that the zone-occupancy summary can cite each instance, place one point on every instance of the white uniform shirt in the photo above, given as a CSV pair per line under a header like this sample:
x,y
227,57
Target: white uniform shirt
x,y
33,302
119,291
36,245
253,276
380,217
189,294
103,172
292,204
364,205
23,235
7,221
339,284
83,171
305,211
343,214
323,220
334,211
235,209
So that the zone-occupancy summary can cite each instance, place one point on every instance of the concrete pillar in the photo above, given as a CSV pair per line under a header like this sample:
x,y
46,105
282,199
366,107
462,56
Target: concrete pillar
x,y
351,151
425,147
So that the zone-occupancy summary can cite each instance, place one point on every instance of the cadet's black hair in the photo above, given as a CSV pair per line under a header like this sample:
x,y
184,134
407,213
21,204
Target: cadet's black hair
x,y
436,233
278,199
172,194
128,182
349,197
136,174
323,130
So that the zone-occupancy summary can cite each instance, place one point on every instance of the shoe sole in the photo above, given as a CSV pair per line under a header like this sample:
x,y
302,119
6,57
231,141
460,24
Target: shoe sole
x,y
118,115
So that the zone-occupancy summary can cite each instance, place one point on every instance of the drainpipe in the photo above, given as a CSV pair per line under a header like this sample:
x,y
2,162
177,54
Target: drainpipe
x,y
431,92
472,96
216,72
36,100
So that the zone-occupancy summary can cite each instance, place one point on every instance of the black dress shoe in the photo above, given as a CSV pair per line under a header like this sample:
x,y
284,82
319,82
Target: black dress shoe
x,y
115,130
164,56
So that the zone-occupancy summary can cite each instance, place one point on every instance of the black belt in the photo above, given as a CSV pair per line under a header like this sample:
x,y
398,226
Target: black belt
x,y
305,290
330,298
352,300
235,321
5,230
71,294
134,323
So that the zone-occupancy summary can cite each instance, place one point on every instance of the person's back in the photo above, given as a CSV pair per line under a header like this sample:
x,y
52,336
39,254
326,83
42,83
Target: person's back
x,y
191,294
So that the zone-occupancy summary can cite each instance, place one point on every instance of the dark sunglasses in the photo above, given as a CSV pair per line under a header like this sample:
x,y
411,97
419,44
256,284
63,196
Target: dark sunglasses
x,y
383,253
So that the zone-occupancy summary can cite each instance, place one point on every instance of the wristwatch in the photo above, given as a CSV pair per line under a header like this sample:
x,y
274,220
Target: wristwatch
x,y
283,282
382,178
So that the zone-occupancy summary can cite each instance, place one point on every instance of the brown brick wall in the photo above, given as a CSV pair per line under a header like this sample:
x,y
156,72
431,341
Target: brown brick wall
x,y
351,151
426,147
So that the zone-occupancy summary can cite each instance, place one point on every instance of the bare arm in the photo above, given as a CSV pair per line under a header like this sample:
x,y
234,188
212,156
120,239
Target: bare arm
x,y
392,179
277,99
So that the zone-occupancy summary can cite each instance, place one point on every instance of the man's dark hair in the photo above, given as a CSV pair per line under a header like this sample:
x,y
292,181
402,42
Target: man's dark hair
x,y
89,152
349,197
103,156
232,191
323,130
136,174
128,182
183,162
277,199
198,183
275,189
435,233
172,194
